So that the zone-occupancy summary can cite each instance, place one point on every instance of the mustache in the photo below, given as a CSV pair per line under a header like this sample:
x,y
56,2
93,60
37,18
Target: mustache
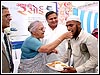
x,y
70,30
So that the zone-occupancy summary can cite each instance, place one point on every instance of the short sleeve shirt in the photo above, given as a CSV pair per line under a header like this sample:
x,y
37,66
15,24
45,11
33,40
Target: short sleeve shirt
x,y
30,47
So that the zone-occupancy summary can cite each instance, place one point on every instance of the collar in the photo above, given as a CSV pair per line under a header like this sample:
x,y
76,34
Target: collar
x,y
80,34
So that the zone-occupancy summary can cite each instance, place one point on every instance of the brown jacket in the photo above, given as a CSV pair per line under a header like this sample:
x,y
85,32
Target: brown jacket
x,y
5,62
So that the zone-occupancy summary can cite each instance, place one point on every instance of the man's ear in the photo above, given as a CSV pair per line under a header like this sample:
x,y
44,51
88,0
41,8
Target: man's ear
x,y
78,24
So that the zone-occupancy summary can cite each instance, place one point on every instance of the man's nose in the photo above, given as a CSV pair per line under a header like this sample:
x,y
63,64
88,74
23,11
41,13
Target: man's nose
x,y
10,18
68,27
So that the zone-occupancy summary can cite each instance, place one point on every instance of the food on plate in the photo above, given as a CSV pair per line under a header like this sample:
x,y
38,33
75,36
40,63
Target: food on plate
x,y
58,67
56,63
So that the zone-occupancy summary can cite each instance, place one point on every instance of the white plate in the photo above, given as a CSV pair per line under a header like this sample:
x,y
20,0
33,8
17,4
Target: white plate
x,y
56,65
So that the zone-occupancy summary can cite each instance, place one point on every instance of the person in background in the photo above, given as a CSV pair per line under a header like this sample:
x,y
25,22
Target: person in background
x,y
33,51
95,32
53,31
7,62
85,59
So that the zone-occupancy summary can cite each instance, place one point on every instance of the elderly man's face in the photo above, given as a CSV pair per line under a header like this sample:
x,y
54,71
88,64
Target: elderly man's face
x,y
71,26
74,27
6,18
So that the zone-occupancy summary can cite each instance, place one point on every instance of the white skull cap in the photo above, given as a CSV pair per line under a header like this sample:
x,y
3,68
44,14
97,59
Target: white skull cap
x,y
73,17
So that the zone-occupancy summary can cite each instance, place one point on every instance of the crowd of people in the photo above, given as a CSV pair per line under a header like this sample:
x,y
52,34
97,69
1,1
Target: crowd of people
x,y
45,45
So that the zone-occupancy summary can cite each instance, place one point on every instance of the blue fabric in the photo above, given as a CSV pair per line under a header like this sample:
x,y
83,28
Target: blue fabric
x,y
75,11
95,20
88,21
16,44
82,17
30,47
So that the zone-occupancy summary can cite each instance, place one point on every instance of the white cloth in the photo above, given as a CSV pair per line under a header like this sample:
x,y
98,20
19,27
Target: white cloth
x,y
81,62
73,17
50,36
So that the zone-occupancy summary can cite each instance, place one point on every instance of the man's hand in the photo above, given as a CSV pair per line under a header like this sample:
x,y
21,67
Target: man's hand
x,y
53,51
69,70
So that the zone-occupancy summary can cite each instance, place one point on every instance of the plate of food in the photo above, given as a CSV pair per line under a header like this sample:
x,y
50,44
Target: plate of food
x,y
57,65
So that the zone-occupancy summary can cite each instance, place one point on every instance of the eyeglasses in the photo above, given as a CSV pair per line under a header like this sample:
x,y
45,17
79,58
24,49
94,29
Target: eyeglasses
x,y
7,15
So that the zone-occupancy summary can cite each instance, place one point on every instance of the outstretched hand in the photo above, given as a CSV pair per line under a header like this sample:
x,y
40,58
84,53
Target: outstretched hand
x,y
68,35
68,70
53,51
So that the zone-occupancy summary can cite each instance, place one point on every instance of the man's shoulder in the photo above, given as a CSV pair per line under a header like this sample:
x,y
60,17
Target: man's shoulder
x,y
84,33
62,27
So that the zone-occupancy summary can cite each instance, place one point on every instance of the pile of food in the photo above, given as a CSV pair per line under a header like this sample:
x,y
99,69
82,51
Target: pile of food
x,y
57,65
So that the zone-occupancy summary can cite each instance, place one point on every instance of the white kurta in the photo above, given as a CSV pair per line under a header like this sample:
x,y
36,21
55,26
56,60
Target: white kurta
x,y
85,63
50,36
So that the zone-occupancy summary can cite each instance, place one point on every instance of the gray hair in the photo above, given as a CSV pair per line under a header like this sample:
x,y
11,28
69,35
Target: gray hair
x,y
33,26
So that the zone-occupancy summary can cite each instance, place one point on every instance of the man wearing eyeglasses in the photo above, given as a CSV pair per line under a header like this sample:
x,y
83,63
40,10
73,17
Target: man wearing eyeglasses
x,y
7,63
